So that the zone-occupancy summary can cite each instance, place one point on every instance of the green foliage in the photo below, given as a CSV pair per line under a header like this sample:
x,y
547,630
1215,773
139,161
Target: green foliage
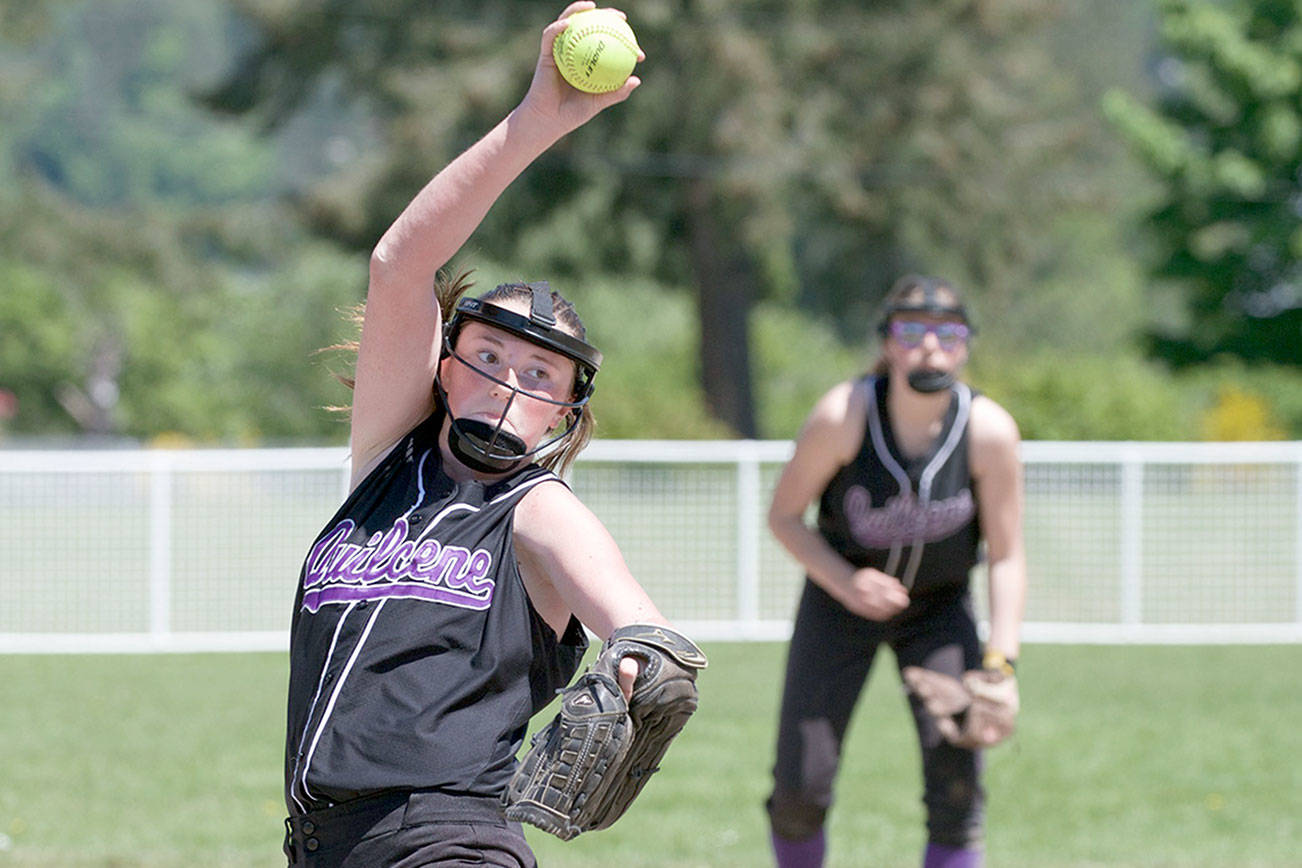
x,y
1065,397
1093,303
109,121
1072,396
769,155
147,292
801,358
134,334
39,350
1275,389
1225,140
1239,415
742,215
247,371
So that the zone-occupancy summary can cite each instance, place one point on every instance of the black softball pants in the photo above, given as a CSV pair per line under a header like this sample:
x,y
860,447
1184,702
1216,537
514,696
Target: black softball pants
x,y
828,661
400,829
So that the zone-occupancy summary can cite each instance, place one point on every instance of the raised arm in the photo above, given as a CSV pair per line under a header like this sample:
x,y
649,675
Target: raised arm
x,y
997,468
401,334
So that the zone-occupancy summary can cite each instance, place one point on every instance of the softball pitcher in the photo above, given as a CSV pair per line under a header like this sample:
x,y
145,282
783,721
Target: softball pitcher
x,y
446,600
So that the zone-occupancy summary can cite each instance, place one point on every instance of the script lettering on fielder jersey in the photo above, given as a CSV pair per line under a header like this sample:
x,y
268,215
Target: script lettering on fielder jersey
x,y
903,519
391,565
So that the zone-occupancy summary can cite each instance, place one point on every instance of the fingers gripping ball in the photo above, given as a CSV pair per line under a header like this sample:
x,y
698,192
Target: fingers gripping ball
x,y
597,51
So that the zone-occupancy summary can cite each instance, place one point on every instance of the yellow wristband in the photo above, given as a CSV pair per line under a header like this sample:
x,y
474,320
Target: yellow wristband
x,y
996,660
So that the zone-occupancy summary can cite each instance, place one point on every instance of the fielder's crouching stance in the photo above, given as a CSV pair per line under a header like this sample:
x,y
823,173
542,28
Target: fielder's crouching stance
x,y
911,469
445,602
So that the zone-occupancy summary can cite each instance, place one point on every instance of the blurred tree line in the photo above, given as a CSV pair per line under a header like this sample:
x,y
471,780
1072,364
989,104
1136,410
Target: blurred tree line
x,y
193,189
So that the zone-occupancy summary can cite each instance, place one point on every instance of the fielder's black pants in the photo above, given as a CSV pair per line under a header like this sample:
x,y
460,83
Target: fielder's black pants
x,y
401,829
828,662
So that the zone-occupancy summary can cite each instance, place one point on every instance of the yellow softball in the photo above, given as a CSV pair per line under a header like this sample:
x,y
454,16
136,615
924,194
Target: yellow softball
x,y
597,51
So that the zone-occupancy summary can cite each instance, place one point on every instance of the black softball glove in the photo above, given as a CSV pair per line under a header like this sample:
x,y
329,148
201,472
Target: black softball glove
x,y
585,768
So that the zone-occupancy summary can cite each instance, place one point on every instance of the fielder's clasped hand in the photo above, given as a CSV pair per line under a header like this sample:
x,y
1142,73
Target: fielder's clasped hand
x,y
977,711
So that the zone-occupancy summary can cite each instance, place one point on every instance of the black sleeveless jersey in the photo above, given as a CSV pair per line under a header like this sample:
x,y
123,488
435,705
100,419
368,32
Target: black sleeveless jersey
x,y
416,658
914,519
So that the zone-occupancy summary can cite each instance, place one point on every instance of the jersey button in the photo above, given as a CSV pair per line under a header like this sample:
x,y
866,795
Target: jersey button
x,y
361,604
308,827
311,844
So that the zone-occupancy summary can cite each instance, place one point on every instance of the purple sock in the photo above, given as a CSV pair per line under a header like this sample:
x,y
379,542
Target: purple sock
x,y
940,856
800,854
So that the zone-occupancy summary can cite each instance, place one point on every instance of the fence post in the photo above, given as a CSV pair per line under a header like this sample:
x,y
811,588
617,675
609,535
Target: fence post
x,y
160,545
748,534
1297,532
1132,536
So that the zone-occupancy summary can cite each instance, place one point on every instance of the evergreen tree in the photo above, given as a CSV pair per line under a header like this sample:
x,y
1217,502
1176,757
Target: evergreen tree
x,y
1225,139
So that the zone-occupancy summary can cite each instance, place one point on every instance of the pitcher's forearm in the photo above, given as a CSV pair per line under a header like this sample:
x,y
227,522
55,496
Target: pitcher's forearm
x,y
442,216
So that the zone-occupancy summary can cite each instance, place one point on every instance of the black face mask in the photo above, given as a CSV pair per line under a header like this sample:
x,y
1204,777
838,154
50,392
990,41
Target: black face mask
x,y
928,380
484,448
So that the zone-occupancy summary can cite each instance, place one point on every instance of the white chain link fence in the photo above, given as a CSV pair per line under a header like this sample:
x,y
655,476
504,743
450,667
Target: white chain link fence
x,y
200,550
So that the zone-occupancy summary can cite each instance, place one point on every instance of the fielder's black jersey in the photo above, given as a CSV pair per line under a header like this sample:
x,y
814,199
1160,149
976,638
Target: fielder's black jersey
x,y
915,519
416,658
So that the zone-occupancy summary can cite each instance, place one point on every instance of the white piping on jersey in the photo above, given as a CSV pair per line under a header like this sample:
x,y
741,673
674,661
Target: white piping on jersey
x,y
420,483
942,455
298,756
339,686
901,478
951,442
458,507
932,468
306,762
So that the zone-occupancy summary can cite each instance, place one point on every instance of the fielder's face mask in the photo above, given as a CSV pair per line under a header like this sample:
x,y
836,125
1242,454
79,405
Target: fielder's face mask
x,y
927,380
488,448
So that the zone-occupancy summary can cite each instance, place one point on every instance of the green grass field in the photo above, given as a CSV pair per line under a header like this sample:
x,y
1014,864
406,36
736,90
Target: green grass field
x,y
1126,756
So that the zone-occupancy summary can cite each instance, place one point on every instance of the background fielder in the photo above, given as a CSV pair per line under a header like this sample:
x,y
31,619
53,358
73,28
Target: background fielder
x,y
911,468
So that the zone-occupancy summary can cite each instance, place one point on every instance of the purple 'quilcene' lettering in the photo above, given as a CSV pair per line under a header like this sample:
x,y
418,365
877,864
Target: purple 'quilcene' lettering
x,y
903,519
391,565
